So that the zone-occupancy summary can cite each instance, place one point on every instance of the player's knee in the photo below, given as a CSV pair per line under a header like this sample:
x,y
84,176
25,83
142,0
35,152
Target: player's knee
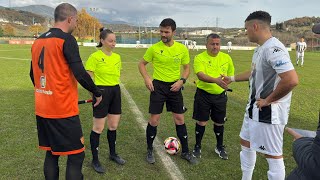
x,y
179,121
248,158
113,127
155,117
76,158
98,129
178,118
276,169
248,152
154,120
202,123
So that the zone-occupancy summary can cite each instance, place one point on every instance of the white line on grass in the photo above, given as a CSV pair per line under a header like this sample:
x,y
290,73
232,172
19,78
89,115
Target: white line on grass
x,y
16,58
21,59
15,49
170,166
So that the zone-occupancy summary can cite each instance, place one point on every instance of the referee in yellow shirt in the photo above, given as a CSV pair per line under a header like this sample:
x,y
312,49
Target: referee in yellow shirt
x,y
104,67
166,56
211,98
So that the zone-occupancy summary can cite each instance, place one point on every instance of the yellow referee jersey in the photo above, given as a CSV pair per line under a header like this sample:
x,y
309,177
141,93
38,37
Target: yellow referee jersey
x,y
213,67
167,60
106,68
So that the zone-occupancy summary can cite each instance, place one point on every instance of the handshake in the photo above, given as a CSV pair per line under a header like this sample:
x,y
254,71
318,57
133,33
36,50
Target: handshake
x,y
223,81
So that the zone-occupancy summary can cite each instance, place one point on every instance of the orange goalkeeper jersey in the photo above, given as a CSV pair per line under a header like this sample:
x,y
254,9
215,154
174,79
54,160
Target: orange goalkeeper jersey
x,y
56,92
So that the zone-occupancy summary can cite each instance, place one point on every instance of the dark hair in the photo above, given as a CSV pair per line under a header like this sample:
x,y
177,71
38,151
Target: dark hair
x,y
213,36
260,15
168,22
63,11
104,32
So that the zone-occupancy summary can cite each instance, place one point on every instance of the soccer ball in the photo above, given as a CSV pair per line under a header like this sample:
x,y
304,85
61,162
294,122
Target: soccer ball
x,y
172,145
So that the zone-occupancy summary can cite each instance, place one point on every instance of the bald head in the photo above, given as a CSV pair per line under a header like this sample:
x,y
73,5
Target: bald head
x,y
63,11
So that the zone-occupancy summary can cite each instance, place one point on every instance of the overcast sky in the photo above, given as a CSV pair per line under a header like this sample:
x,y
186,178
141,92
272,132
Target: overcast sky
x,y
188,13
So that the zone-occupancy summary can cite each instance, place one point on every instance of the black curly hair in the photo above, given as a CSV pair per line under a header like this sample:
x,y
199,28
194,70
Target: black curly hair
x,y
259,15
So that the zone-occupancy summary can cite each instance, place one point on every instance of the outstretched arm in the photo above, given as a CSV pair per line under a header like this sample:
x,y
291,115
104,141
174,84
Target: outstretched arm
x,y
237,78
219,81
294,134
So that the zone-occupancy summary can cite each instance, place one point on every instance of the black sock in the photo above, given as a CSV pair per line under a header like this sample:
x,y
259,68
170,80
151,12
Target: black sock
x,y
183,136
199,134
94,142
218,131
74,166
151,133
51,166
112,136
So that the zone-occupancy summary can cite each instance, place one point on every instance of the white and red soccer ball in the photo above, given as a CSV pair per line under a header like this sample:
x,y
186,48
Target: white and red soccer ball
x,y
172,145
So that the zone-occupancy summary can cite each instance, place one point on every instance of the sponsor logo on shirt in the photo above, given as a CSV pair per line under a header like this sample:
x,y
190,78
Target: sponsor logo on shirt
x,y
280,63
262,148
276,50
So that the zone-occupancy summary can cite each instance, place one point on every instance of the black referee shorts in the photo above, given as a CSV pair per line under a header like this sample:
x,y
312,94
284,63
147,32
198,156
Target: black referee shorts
x,y
206,104
111,102
161,95
60,136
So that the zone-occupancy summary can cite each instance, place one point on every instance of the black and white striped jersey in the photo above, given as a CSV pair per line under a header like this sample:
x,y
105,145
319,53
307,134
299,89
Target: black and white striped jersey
x,y
269,60
301,46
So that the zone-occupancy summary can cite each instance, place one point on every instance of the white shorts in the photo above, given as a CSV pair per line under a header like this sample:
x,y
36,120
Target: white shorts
x,y
300,54
264,138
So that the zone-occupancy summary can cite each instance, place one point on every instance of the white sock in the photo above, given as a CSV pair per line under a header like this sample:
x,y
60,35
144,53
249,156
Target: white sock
x,y
248,161
276,169
302,60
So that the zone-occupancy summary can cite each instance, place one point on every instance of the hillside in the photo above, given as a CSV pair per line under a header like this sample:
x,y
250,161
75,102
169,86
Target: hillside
x,y
302,21
288,31
42,10
20,17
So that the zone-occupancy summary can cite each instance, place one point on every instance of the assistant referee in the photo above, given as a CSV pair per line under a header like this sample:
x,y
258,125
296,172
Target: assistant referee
x,y
211,98
104,67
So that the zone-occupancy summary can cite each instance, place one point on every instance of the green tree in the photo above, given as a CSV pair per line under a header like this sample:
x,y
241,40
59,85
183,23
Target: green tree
x,y
86,25
8,30
36,29
1,31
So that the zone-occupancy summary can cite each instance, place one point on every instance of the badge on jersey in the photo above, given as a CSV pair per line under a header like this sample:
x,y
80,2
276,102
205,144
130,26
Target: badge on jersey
x,y
42,81
177,60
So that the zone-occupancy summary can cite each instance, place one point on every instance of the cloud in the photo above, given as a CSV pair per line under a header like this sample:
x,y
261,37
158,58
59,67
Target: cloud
x,y
192,12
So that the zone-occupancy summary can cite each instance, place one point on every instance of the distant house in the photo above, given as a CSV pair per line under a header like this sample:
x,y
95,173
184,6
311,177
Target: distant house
x,y
4,20
18,22
200,32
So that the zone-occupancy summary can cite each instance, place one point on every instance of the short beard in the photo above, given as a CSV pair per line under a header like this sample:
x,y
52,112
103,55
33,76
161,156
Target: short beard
x,y
167,40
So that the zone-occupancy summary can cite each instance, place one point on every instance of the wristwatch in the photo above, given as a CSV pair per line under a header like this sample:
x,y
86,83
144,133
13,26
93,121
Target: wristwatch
x,y
183,80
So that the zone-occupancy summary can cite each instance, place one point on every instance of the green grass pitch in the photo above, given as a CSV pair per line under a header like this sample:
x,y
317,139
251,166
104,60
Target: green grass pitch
x,y
21,159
